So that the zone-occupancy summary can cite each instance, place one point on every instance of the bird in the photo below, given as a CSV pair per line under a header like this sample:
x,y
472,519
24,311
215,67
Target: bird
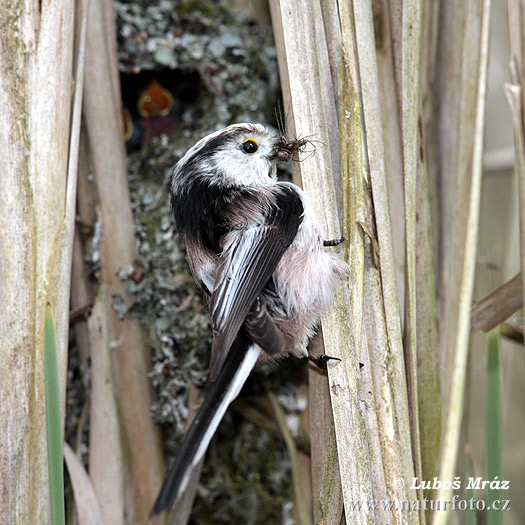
x,y
159,112
255,248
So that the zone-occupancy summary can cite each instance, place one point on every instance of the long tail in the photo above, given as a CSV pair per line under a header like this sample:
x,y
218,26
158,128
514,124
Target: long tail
x,y
232,376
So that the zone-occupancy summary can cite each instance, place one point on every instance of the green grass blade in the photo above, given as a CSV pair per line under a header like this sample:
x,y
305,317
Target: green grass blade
x,y
494,428
53,422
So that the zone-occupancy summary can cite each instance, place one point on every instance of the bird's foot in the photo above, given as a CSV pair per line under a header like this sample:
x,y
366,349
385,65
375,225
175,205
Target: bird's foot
x,y
333,242
322,360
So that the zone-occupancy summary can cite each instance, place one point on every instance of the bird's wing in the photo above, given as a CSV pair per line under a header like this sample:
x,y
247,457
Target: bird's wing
x,y
245,267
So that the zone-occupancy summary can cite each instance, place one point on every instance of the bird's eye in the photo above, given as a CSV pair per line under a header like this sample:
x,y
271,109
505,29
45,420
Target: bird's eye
x,y
250,146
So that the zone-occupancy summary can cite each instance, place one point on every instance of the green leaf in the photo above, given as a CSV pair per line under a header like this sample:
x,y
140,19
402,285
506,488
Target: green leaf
x,y
53,422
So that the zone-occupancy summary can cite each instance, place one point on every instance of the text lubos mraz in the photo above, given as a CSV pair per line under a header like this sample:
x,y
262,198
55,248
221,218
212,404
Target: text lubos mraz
x,y
472,484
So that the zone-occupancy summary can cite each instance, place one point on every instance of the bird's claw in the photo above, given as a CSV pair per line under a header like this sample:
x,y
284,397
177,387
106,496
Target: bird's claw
x,y
334,242
322,360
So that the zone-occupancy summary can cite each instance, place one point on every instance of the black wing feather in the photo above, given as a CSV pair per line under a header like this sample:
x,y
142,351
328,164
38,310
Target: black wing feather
x,y
247,266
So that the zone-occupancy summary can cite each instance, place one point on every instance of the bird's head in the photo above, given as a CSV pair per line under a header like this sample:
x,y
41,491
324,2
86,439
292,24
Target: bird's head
x,y
239,155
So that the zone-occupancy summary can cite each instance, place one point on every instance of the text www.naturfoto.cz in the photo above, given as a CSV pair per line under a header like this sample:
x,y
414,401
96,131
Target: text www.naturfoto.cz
x,y
428,504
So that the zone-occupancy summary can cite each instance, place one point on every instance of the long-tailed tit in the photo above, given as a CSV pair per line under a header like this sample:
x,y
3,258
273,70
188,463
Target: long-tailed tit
x,y
254,247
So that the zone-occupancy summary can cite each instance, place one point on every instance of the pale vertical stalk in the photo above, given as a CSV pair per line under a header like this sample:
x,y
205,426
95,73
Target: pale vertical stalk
x,y
329,489
368,72
36,69
516,16
428,383
332,30
515,95
410,67
81,287
337,21
105,452
457,384
303,513
443,157
459,192
387,27
356,197
63,300
327,502
142,453
388,370
331,495
428,377
365,294
430,118
320,423
87,507
397,73
413,56
49,160
429,390
309,96
515,11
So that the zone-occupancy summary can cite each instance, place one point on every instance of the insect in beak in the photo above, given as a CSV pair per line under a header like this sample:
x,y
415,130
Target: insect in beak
x,y
286,148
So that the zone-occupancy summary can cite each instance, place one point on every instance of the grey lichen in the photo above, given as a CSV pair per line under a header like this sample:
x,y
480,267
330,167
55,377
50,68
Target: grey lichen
x,y
166,299
234,57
